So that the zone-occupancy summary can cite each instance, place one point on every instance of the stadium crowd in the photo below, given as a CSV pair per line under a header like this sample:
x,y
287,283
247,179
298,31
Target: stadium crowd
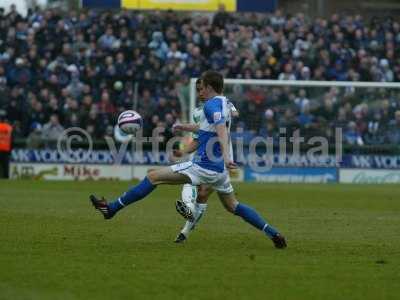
x,y
59,70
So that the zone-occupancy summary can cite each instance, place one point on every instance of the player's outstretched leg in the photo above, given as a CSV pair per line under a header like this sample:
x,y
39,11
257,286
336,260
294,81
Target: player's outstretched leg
x,y
134,194
102,206
251,216
145,187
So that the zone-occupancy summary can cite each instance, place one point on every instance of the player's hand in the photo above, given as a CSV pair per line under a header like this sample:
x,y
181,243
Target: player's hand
x,y
231,165
177,128
175,155
177,152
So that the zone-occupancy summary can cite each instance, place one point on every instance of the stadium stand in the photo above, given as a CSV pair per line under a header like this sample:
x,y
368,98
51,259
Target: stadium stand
x,y
60,70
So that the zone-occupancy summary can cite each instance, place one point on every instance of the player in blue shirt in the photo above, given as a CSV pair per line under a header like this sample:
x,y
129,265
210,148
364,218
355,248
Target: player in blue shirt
x,y
193,203
209,165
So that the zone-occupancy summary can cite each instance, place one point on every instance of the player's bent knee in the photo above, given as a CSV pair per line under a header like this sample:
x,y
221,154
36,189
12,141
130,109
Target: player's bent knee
x,y
202,197
229,202
230,207
204,193
152,176
150,170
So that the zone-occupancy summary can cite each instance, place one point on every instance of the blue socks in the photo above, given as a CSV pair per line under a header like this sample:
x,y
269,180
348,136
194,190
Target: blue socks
x,y
136,193
251,216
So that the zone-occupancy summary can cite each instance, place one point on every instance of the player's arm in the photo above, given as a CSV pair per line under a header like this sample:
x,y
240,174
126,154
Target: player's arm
x,y
213,113
190,148
187,149
186,127
233,110
222,134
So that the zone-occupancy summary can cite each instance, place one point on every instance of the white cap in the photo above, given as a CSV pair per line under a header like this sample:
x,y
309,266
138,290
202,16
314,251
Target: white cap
x,y
72,69
19,61
269,113
384,62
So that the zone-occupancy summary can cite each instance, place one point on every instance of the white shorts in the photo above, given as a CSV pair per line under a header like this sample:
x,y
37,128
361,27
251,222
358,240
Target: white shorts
x,y
198,175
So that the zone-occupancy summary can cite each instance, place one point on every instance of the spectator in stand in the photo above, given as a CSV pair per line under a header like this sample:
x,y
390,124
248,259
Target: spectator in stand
x,y
287,73
20,74
376,132
158,45
393,134
326,110
107,40
269,128
301,101
222,18
35,138
306,119
105,106
352,136
52,130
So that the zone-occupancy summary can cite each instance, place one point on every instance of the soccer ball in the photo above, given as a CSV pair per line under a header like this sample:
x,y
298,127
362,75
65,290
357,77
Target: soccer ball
x,y
129,122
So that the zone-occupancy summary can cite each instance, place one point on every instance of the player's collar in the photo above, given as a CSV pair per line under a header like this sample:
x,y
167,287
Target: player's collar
x,y
217,96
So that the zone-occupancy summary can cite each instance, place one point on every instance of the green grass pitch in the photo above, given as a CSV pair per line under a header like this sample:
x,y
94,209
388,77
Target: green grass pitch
x,y
343,243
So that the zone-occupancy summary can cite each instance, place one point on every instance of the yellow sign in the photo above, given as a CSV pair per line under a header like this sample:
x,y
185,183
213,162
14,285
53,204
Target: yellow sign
x,y
206,5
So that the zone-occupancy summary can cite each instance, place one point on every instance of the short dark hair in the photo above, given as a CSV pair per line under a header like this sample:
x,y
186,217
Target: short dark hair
x,y
213,79
198,84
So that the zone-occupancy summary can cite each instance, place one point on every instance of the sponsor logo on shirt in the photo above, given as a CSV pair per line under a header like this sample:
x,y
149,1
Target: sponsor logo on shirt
x,y
217,116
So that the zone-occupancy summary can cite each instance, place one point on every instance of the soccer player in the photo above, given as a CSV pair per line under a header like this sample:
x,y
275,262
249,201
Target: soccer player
x,y
194,199
209,165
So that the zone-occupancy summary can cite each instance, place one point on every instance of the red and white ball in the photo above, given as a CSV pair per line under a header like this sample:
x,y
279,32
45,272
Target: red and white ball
x,y
129,122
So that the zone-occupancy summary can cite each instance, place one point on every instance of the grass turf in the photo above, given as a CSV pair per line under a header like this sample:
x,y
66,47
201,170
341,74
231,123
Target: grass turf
x,y
343,243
